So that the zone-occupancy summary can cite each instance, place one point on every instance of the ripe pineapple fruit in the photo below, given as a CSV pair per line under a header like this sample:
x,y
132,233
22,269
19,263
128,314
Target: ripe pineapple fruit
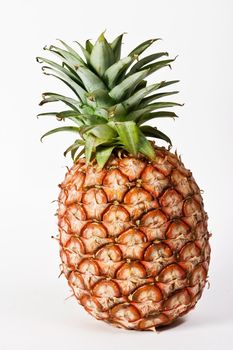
x,y
133,234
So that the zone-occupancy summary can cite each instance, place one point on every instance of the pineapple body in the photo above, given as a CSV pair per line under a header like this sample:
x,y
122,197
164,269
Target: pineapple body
x,y
134,242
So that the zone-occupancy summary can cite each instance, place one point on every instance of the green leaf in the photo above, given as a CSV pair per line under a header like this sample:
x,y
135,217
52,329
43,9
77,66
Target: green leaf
x,y
162,114
145,147
90,80
129,135
158,65
101,98
116,47
68,76
46,114
72,149
142,47
134,55
60,68
154,132
136,98
146,60
72,51
89,147
169,82
74,146
104,131
124,89
89,46
52,97
72,115
63,128
85,52
158,105
73,71
75,157
102,56
151,98
116,112
101,131
76,88
76,117
141,85
93,119
114,71
103,154
73,60
134,115
66,114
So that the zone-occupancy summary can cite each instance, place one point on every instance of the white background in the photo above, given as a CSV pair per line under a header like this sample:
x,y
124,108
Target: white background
x,y
33,310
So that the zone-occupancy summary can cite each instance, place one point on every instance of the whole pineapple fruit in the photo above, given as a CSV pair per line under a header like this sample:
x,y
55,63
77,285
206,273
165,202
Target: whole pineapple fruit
x,y
133,234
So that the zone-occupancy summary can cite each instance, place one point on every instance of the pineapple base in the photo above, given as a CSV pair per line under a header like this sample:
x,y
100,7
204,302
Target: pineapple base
x,y
134,241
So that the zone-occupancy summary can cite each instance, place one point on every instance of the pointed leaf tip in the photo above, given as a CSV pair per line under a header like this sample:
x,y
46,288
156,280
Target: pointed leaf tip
x,y
102,56
102,37
116,47
63,128
154,132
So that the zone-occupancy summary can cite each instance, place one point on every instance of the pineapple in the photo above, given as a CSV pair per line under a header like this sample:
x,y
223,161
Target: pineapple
x,y
134,242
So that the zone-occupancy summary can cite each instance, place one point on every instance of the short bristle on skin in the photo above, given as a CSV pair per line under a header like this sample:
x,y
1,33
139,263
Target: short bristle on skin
x,y
111,97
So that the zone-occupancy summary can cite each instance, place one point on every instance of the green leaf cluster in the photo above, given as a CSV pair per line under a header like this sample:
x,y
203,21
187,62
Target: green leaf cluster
x,y
111,97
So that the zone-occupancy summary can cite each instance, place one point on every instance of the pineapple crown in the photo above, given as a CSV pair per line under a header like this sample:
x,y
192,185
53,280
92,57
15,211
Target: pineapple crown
x,y
112,99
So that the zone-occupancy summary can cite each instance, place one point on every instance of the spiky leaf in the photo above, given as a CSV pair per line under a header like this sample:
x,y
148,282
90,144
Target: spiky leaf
x,y
113,72
103,154
64,55
154,132
149,116
60,68
74,146
72,51
100,98
51,97
90,142
145,147
75,87
129,136
116,47
63,128
90,80
102,56
136,98
103,131
84,51
145,61
158,65
134,115
142,47
145,101
89,46
123,90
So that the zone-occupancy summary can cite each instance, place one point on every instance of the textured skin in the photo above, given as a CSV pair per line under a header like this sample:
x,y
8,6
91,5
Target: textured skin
x,y
134,239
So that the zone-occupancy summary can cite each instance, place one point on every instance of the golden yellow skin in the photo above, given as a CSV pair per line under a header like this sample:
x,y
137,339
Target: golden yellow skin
x,y
134,239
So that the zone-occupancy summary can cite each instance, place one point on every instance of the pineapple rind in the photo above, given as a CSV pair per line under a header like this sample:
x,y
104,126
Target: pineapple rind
x,y
133,239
